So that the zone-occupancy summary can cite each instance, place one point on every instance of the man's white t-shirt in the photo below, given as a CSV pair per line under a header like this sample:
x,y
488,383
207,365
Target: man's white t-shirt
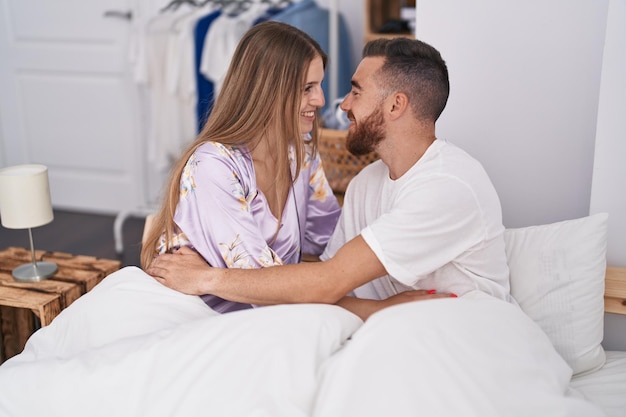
x,y
439,226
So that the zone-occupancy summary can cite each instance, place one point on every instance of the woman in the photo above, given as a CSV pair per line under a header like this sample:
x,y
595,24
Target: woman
x,y
251,192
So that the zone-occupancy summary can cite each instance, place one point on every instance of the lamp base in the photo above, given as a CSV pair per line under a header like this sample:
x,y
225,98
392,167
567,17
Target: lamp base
x,y
34,272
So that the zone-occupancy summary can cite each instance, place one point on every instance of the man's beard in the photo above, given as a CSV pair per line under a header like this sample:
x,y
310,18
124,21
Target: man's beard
x,y
366,134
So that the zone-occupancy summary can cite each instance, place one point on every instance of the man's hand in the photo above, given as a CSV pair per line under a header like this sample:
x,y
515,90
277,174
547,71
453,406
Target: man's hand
x,y
183,271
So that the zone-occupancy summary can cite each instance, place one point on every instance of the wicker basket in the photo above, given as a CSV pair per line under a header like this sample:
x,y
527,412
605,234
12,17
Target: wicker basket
x,y
340,165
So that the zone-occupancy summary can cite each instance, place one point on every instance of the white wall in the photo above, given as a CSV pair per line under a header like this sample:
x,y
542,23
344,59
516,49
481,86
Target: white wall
x,y
525,80
608,192
2,157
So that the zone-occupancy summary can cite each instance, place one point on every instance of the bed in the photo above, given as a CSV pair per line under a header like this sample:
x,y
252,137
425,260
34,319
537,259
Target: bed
x,y
131,347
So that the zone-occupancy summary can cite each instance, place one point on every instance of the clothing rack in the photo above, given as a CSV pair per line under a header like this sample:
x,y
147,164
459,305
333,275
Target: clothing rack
x,y
333,33
118,224
333,26
220,3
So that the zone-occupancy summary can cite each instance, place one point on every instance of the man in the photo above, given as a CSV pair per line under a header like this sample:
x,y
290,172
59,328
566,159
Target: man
x,y
423,219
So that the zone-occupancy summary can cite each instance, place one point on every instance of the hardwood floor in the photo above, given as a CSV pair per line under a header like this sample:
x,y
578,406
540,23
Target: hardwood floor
x,y
81,234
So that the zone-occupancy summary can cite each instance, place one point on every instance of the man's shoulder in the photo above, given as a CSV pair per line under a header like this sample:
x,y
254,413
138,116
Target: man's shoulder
x,y
450,159
445,147
377,170
368,180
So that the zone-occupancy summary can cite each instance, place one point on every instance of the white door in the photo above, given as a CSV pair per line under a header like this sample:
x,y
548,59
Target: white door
x,y
68,101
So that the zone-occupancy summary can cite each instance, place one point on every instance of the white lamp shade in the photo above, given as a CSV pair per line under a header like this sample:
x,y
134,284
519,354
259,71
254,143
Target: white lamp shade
x,y
25,197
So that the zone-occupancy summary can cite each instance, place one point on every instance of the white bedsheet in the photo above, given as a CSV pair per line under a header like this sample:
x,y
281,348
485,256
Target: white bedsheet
x,y
606,386
132,347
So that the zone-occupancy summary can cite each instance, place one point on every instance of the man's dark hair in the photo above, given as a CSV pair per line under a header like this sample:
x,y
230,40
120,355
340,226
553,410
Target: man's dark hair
x,y
416,69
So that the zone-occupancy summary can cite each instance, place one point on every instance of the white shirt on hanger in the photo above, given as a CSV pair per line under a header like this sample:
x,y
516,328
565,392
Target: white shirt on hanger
x,y
222,39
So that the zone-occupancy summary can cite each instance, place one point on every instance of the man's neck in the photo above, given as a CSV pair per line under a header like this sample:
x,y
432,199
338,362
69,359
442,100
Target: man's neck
x,y
404,147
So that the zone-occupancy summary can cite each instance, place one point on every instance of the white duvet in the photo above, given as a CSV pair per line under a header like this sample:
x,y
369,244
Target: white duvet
x,y
131,347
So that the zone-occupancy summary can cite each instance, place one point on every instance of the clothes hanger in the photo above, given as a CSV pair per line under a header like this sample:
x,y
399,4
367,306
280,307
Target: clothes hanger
x,y
175,4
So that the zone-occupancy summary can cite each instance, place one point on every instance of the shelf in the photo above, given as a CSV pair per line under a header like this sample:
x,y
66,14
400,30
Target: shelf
x,y
370,36
380,12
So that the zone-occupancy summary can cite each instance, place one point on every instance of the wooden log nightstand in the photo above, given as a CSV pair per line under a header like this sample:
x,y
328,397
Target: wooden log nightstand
x,y
77,274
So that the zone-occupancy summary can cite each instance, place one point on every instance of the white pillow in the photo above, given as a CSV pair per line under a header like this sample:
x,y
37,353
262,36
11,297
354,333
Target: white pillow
x,y
557,277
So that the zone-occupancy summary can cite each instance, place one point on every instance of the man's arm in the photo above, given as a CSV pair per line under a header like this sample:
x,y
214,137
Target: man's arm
x,y
312,282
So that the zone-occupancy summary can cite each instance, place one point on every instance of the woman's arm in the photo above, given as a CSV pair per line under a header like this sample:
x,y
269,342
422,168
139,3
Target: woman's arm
x,y
365,308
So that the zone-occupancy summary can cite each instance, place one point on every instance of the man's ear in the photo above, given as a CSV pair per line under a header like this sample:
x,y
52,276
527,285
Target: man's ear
x,y
399,105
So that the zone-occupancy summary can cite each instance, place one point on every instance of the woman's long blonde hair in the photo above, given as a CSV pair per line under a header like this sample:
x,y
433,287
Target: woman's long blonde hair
x,y
261,94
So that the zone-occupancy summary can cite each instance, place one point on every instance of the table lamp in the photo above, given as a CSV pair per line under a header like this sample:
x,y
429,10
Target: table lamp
x,y
25,203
